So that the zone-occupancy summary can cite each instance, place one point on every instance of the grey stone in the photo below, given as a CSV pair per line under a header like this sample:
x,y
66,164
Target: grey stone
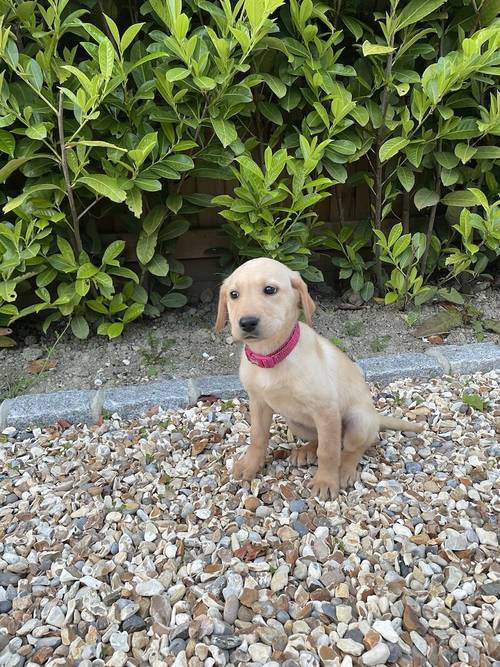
x,y
9,579
491,588
231,607
134,400
176,646
5,606
225,642
180,631
222,386
25,412
389,367
469,358
300,528
412,467
354,634
395,652
133,623
298,506
282,616
328,609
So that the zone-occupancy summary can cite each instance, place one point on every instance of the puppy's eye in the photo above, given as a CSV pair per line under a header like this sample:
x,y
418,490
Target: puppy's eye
x,y
269,289
234,294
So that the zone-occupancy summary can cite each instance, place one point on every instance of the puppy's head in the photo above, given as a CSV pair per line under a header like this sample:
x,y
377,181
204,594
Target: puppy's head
x,y
261,299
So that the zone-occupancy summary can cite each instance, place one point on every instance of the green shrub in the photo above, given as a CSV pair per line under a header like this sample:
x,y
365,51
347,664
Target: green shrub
x,y
111,115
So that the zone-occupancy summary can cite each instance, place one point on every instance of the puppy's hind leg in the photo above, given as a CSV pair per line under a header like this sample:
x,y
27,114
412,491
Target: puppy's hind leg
x,y
305,455
360,432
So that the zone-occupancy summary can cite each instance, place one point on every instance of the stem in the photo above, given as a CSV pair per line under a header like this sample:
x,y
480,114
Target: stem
x,y
104,22
340,205
195,139
69,188
432,218
379,172
406,212
91,205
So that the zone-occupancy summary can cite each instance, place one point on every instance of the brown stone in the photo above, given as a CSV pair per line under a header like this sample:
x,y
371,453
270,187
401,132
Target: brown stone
x,y
282,602
299,613
25,650
245,614
42,655
249,596
190,647
200,609
371,639
327,653
411,620
251,503
418,659
321,595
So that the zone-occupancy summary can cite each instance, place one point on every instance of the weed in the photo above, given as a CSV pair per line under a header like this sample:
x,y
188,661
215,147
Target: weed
x,y
156,354
478,329
226,405
13,388
338,343
411,318
379,343
353,328
398,399
475,401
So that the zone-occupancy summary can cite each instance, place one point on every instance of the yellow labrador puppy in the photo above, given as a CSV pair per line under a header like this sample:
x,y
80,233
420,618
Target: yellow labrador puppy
x,y
289,369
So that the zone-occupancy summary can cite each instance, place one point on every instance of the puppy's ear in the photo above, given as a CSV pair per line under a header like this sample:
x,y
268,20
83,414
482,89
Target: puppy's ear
x,y
220,323
308,305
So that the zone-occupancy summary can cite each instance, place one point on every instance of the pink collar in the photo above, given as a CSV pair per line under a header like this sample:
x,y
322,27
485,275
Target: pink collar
x,y
271,360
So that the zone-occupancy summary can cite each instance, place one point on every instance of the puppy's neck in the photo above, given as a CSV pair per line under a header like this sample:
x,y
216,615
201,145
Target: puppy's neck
x,y
271,345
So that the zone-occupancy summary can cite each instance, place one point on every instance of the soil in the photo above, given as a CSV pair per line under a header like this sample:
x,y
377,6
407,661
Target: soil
x,y
183,344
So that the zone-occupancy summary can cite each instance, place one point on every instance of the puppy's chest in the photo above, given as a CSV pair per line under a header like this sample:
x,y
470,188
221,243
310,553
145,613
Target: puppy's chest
x,y
279,390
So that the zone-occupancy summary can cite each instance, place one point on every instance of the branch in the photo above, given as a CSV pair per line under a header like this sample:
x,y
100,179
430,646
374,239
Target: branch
x,y
91,205
69,188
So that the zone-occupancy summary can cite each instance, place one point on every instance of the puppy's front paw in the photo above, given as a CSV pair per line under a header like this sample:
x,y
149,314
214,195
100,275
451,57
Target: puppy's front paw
x,y
348,474
247,467
305,455
325,487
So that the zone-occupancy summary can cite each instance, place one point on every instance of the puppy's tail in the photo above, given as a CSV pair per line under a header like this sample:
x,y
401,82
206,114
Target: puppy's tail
x,y
387,423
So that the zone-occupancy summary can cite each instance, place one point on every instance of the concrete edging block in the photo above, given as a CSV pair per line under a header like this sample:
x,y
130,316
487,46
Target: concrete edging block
x,y
390,367
85,407
74,406
133,400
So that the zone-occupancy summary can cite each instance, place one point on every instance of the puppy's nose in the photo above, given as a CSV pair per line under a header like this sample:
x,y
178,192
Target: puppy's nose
x,y
249,323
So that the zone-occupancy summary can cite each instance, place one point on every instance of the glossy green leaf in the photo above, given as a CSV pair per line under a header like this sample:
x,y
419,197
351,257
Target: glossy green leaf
x,y
106,58
7,142
391,147
106,186
113,251
370,49
80,327
225,131
461,198
415,11
425,198
406,177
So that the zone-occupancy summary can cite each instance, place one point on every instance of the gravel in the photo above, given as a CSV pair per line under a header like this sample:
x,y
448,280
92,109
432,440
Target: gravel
x,y
128,544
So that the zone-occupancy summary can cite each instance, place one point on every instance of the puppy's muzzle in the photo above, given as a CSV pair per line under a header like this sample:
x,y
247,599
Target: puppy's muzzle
x,y
248,324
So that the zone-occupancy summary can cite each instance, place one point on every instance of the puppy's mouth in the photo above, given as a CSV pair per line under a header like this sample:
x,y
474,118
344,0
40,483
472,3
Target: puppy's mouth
x,y
251,336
